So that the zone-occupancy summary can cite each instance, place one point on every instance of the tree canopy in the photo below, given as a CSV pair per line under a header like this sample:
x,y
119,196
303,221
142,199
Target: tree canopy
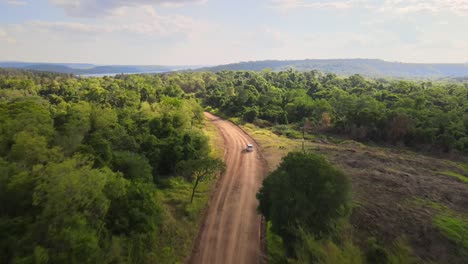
x,y
306,192
80,163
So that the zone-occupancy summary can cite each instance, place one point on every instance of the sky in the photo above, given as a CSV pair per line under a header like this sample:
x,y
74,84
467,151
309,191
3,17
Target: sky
x,y
210,32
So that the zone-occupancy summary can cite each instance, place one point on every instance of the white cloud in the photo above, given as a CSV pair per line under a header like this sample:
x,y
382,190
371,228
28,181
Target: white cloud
x,y
459,7
90,8
142,20
293,4
4,36
16,2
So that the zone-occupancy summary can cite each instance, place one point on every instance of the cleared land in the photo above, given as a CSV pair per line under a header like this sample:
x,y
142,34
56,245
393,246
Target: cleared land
x,y
398,194
231,232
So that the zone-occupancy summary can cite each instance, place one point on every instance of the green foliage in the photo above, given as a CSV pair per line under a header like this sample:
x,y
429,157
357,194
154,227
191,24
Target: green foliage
x,y
399,252
275,246
417,114
454,227
376,253
455,175
285,130
250,114
133,166
304,191
79,162
402,253
197,171
450,223
311,250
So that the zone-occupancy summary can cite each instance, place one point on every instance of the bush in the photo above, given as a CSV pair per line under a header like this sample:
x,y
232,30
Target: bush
x,y
285,130
250,114
311,250
262,123
305,191
375,252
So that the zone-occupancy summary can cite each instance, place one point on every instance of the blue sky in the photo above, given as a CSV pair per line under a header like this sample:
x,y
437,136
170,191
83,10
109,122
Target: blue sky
x,y
205,32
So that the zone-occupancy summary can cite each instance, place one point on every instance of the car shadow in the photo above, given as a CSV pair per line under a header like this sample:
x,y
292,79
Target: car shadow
x,y
244,151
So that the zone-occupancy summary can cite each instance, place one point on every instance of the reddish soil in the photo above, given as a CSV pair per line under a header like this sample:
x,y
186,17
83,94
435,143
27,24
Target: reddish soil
x,y
231,232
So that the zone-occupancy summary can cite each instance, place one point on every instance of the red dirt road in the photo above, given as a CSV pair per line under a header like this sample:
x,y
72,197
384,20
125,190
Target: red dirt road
x,y
231,232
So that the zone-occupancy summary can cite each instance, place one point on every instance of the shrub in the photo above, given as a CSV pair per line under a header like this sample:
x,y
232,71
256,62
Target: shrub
x,y
311,250
305,191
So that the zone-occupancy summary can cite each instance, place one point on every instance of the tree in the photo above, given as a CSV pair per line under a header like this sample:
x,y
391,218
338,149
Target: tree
x,y
74,199
133,166
197,171
304,191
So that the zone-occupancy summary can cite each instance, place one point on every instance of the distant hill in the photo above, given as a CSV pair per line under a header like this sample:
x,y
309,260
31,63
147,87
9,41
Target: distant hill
x,y
366,67
89,69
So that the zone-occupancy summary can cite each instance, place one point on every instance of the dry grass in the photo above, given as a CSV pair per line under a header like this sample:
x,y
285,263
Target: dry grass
x,y
382,180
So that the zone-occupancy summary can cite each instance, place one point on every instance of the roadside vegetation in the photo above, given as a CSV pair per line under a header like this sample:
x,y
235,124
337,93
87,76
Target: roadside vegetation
x,y
307,203
424,115
339,117
88,169
109,169
426,205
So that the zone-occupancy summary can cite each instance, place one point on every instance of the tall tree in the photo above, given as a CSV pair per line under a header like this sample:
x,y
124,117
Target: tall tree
x,y
197,171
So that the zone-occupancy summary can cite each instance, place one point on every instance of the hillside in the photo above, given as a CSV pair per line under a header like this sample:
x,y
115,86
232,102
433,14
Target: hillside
x,y
87,69
345,67
366,67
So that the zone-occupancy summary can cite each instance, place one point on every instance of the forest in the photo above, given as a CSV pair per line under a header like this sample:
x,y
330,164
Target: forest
x,y
430,116
83,160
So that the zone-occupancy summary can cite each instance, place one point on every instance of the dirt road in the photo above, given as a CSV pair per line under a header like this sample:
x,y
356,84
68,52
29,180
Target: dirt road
x,y
231,232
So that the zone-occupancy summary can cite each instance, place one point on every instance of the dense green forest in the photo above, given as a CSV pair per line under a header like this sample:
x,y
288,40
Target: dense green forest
x,y
84,161
425,115
81,162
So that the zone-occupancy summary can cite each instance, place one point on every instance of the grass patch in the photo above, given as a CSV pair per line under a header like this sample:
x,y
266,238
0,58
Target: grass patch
x,y
453,227
352,143
182,219
465,167
427,203
215,140
275,247
402,253
456,175
235,120
288,131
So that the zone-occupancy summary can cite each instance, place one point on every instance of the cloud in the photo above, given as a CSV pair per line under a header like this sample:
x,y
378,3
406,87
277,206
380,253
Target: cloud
x,y
4,36
459,7
17,2
142,20
294,4
89,8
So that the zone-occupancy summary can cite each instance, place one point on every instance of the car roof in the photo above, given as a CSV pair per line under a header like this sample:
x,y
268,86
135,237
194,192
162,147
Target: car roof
x,y
249,145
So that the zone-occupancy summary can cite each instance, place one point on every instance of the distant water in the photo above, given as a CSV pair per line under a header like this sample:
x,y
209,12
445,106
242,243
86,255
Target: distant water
x,y
112,74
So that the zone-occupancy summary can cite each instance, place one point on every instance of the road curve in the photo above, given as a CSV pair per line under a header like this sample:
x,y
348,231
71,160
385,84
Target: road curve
x,y
231,232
